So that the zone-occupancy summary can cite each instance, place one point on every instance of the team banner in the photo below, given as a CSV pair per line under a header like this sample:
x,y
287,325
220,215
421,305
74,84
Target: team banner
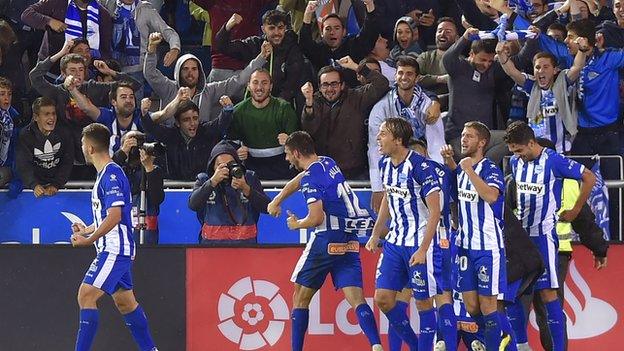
x,y
247,305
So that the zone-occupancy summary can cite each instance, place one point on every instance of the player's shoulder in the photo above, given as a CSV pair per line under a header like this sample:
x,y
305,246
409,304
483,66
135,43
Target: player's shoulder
x,y
419,162
113,173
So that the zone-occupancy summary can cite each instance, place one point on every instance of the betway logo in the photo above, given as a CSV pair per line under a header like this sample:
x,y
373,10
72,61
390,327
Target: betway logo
x,y
530,188
467,195
396,191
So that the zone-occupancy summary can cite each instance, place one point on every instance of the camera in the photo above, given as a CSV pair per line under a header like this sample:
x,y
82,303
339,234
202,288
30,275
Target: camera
x,y
236,170
154,149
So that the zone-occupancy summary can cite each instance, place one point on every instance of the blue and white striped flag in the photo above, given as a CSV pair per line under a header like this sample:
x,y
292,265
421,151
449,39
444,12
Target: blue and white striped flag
x,y
599,201
509,35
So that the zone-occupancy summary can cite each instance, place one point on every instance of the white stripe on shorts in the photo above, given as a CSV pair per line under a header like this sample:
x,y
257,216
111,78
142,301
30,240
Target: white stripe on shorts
x,y
552,261
496,261
432,283
107,267
303,258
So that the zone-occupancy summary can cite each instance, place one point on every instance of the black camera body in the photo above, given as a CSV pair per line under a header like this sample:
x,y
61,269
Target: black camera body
x,y
154,149
236,170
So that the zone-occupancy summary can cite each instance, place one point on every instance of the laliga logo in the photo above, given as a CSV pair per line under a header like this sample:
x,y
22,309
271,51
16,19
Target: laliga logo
x,y
255,294
591,318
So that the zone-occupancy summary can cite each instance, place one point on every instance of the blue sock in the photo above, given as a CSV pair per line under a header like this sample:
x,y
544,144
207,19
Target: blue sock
x,y
427,329
555,324
299,319
492,331
394,339
367,323
518,321
397,317
136,321
87,329
447,325
506,328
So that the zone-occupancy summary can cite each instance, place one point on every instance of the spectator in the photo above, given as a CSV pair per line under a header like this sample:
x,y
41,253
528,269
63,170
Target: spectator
x,y
285,63
334,45
228,199
381,54
9,129
68,113
407,100
45,154
189,141
406,38
618,11
473,82
81,47
28,38
138,162
263,123
190,73
557,31
352,13
334,116
133,22
389,11
433,76
106,78
11,66
123,117
540,7
63,20
223,66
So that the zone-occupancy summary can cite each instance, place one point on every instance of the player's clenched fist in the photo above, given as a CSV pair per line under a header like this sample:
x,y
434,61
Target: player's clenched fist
x,y
372,244
235,20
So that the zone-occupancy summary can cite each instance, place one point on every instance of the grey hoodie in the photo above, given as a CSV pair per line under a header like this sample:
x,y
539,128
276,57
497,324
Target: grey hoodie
x,y
207,94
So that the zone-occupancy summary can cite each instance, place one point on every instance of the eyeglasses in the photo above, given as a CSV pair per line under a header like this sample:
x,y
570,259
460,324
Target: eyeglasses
x,y
331,84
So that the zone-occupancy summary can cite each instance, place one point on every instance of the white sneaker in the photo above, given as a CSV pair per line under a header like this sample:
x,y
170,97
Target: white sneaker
x,y
524,347
477,345
377,347
440,346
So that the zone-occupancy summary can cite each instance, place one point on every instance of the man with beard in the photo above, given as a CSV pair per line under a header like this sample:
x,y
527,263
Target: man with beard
x,y
337,219
473,83
335,115
120,119
334,44
189,73
482,273
45,153
262,123
286,62
409,101
433,76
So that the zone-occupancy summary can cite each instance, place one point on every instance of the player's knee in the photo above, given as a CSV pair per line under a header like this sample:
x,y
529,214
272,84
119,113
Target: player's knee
x,y
301,300
472,307
548,295
87,298
424,305
125,306
384,302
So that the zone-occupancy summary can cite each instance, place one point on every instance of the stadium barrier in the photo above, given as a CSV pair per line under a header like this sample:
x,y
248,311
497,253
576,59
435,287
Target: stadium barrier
x,y
194,304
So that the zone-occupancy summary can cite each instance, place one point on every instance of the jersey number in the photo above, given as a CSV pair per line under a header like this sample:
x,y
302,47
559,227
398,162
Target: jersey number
x,y
353,207
463,263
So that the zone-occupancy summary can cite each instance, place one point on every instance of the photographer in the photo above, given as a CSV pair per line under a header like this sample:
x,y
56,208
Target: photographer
x,y
137,157
228,199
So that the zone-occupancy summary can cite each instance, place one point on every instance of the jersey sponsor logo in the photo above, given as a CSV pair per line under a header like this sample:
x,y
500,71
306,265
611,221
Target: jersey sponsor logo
x,y
358,224
550,111
255,296
467,195
469,327
530,188
343,248
398,192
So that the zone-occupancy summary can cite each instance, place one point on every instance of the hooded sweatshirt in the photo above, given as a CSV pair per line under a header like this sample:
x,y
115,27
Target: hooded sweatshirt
x,y
207,94
413,47
226,213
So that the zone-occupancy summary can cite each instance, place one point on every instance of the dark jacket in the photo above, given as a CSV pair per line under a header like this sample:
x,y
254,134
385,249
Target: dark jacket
x,y
186,159
38,15
223,210
43,160
339,129
68,114
523,258
358,47
286,65
154,192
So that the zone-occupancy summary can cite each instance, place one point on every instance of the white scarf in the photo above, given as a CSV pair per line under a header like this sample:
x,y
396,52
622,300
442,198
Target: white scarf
x,y
74,24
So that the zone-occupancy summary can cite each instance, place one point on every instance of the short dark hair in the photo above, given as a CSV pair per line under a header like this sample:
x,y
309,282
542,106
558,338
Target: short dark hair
x,y
367,60
447,19
332,15
407,60
302,142
328,69
40,102
482,130
400,128
487,45
519,133
583,28
185,106
546,143
275,17
417,142
548,55
262,70
121,84
5,83
99,135
7,35
557,26
78,41
72,58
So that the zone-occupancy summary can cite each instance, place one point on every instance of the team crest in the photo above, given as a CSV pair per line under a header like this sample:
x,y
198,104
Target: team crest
x,y
483,274
418,280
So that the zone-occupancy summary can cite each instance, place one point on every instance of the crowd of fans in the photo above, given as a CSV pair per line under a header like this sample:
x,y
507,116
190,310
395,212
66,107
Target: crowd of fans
x,y
334,68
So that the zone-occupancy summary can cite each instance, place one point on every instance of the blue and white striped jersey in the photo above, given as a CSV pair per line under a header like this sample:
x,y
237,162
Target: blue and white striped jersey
x,y
324,181
407,185
112,189
480,223
447,192
538,189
